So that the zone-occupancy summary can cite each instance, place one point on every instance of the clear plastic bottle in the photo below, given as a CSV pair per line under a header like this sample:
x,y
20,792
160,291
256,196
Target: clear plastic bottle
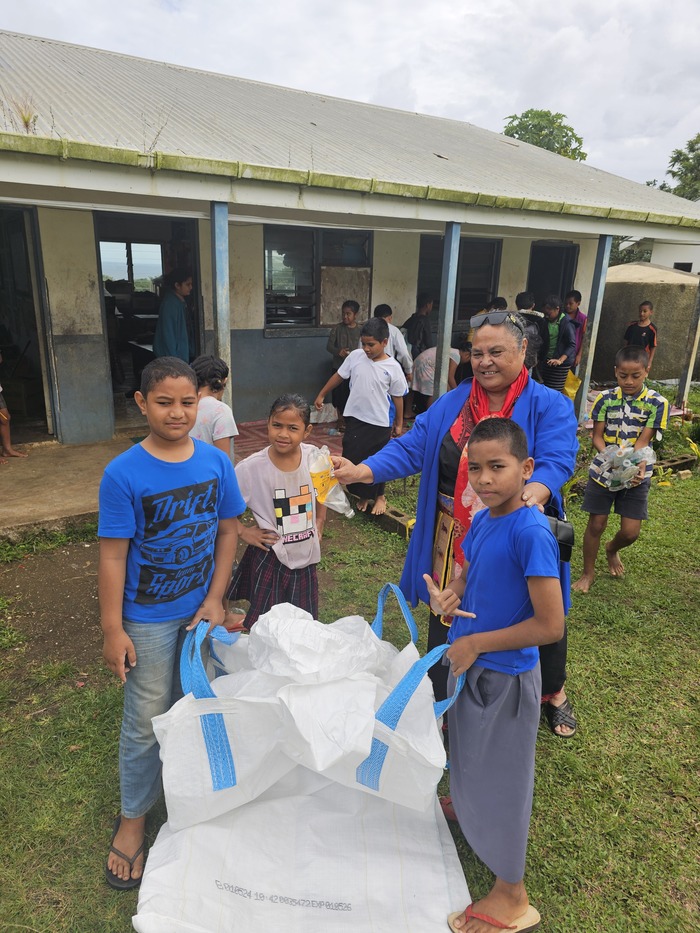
x,y
328,490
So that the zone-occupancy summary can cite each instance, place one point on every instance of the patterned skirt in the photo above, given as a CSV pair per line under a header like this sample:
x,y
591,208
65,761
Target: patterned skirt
x,y
264,581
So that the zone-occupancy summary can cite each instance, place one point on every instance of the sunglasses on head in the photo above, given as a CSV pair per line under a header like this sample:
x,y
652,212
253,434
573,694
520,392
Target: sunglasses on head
x,y
495,318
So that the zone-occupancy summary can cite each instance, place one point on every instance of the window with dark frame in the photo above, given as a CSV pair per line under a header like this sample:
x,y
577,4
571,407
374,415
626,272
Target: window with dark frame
x,y
293,260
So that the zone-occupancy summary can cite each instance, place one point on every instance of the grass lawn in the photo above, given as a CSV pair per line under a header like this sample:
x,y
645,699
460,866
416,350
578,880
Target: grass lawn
x,y
614,838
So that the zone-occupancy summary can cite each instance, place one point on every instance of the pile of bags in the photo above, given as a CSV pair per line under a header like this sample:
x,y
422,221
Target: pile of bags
x,y
300,775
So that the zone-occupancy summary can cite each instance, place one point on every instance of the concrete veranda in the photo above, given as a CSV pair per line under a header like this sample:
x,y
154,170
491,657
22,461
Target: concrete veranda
x,y
58,484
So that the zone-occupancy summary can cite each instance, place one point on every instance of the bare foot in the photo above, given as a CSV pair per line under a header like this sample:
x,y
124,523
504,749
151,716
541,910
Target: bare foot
x,y
379,507
583,584
505,904
615,565
362,505
128,839
11,452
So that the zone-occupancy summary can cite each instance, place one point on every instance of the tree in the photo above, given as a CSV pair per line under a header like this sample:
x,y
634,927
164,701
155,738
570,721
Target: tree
x,y
623,250
548,131
684,168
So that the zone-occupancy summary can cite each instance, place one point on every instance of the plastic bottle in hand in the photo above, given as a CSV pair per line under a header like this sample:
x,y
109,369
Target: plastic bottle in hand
x,y
328,490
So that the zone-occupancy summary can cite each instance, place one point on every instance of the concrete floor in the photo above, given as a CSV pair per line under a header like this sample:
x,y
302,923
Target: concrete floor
x,y
58,484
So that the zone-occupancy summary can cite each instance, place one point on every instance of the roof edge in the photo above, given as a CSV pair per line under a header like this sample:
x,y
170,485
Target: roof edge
x,y
65,150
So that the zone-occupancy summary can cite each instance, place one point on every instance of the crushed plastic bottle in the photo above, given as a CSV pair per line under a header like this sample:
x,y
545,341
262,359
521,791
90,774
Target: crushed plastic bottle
x,y
616,466
328,490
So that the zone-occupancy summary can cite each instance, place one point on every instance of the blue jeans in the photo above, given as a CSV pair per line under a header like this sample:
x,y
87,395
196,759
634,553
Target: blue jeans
x,y
151,688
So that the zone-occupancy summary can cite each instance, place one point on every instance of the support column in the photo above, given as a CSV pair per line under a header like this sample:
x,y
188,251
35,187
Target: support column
x,y
448,292
600,272
691,350
221,289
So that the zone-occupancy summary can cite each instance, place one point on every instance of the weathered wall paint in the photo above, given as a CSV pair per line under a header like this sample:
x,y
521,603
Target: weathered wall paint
x,y
247,274
85,408
70,267
395,272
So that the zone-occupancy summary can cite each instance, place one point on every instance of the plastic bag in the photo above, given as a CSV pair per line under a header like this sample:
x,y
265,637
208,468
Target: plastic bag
x,y
328,490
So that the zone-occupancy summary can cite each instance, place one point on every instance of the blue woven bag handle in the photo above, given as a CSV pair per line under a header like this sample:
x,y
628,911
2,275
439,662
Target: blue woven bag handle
x,y
378,624
194,680
193,675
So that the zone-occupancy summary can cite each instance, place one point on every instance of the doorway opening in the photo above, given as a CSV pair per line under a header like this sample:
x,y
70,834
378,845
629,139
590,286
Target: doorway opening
x,y
137,257
552,270
23,367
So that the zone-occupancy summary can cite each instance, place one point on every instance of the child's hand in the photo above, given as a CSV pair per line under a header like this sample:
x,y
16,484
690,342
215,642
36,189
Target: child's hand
x,y
259,537
119,653
318,402
211,611
461,655
445,602
397,430
641,474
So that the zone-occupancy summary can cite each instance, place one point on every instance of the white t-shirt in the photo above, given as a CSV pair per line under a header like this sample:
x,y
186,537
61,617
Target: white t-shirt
x,y
424,370
398,349
284,503
371,384
214,421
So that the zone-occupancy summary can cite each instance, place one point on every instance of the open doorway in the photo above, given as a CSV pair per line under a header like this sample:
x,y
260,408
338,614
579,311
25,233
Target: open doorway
x,y
552,270
137,258
23,366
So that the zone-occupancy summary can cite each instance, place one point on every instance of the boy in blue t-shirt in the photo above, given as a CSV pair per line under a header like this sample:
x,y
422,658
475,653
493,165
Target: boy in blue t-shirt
x,y
506,602
168,537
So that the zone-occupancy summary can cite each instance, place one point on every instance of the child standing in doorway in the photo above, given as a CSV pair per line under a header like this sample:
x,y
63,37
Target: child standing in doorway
x,y
168,536
628,416
376,379
493,723
279,564
215,423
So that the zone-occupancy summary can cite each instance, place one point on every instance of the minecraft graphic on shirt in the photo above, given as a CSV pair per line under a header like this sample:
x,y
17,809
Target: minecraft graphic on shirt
x,y
294,514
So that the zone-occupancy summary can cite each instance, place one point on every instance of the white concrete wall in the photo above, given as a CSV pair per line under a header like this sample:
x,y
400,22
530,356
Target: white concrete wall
x,y
395,272
247,273
665,254
70,266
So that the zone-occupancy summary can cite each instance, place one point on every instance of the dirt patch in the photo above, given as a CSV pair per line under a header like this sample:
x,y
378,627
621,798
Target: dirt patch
x,y
54,600
54,603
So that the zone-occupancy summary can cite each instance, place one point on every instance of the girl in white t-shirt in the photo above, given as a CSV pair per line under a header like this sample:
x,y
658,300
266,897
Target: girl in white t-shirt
x,y
279,564
215,423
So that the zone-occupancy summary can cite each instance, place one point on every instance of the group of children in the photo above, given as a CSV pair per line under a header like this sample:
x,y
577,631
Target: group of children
x,y
169,525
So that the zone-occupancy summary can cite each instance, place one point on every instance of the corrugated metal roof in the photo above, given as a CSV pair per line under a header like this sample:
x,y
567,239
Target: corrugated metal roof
x,y
104,98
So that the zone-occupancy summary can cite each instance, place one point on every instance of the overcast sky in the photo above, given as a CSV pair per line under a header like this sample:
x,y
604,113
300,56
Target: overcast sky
x,y
625,72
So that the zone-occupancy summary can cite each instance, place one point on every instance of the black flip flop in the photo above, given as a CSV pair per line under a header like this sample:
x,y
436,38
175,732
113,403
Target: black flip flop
x,y
561,716
114,881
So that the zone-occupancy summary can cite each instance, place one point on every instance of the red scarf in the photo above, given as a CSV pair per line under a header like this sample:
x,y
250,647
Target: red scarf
x,y
466,502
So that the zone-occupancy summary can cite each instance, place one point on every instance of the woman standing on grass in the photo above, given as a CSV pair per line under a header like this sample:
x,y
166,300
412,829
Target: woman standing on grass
x,y
436,447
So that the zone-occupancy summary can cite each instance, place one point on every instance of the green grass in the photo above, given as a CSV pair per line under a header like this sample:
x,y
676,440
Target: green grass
x,y
614,836
42,541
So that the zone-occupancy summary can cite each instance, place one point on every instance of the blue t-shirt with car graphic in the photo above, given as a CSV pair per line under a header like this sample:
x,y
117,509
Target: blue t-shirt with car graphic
x,y
170,511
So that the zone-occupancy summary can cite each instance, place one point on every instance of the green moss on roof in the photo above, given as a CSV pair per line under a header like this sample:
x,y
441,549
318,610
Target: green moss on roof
x,y
163,161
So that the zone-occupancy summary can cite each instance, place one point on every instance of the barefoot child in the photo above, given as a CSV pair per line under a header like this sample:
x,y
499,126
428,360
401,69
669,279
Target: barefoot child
x,y
375,379
279,564
167,529
215,423
506,602
628,416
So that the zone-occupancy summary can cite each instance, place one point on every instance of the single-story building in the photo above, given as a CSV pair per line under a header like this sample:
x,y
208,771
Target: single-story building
x,y
114,169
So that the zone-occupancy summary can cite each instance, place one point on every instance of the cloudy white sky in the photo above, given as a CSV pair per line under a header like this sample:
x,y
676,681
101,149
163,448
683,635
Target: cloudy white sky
x,y
625,72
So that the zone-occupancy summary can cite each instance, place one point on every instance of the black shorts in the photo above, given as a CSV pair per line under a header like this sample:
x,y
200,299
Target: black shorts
x,y
629,503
